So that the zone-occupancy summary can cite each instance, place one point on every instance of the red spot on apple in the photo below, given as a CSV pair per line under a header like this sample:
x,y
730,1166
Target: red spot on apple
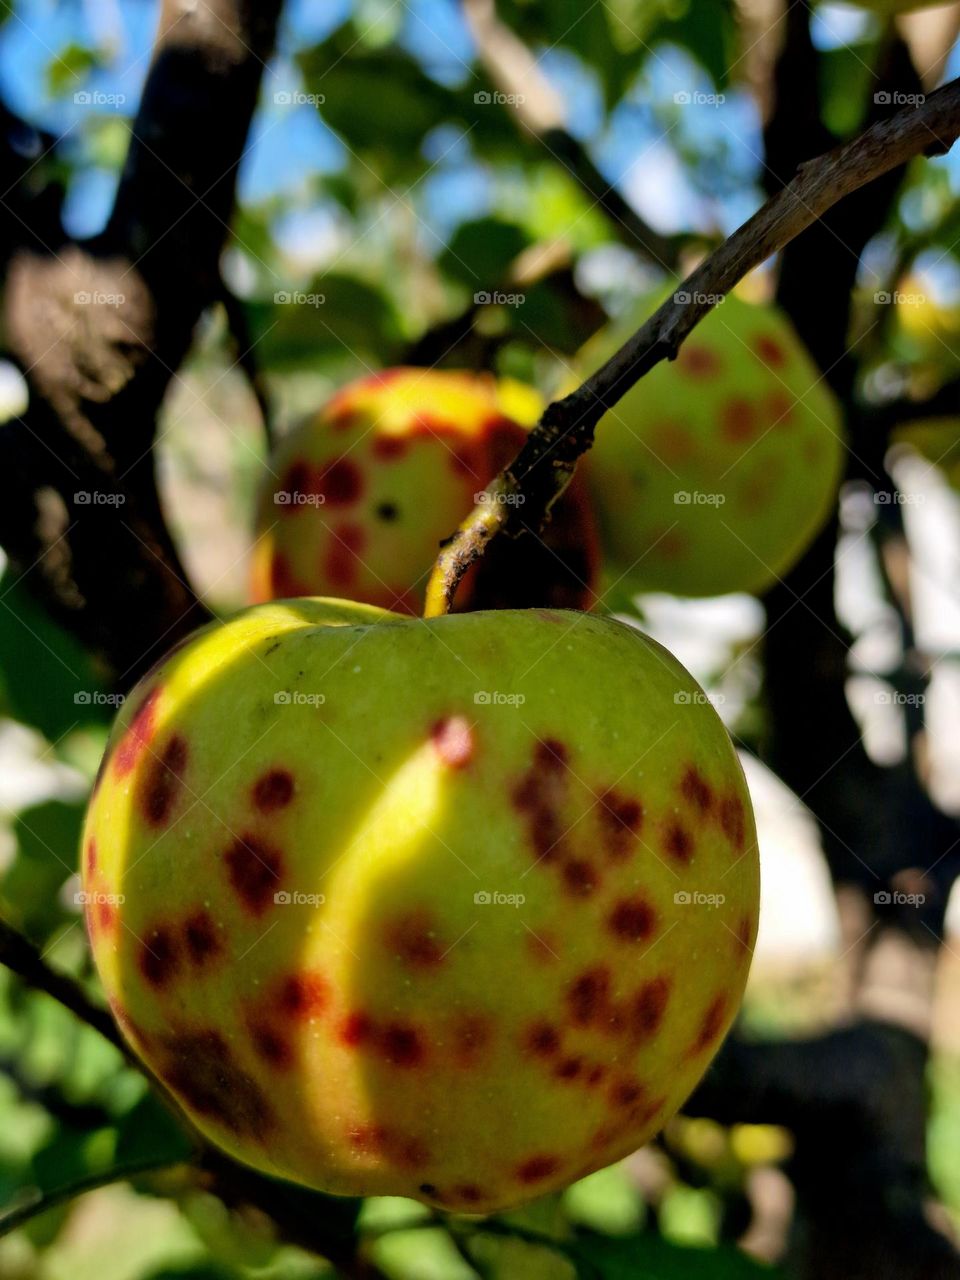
x,y
283,581
698,361
632,920
621,819
91,856
468,1193
106,915
588,995
778,408
452,740
158,957
255,870
413,939
744,935
739,420
273,790
678,843
770,351
303,995
201,1069
401,1045
536,1168
710,1025
137,735
696,789
625,1093
162,781
648,1007
200,936
542,1039
357,1029
580,878
733,821
270,1045
389,448
297,479
551,755
343,556
568,1069
472,1034
340,483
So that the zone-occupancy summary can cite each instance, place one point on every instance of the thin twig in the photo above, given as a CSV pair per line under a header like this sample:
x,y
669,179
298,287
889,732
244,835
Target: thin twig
x,y
35,1201
546,463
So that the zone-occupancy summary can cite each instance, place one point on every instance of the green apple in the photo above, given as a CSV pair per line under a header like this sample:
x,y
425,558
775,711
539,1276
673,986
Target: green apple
x,y
361,495
455,909
714,472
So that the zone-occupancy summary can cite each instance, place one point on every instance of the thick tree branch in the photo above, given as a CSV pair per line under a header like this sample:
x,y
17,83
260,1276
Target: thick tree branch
x,y
100,330
537,108
547,460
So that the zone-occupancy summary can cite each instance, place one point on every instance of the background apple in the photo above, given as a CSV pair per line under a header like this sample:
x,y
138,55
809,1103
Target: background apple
x,y
715,471
361,495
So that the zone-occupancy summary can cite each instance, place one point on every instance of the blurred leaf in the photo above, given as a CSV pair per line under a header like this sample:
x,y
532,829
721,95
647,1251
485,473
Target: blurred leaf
x,y
68,69
48,837
708,29
49,681
482,250
650,1257
846,82
149,1130
333,313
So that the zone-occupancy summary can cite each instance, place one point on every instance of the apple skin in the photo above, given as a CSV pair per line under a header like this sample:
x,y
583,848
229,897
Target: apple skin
x,y
741,423
403,1034
386,470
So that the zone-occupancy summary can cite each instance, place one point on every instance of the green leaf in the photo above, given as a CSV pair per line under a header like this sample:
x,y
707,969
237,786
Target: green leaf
x,y
648,1256
68,69
49,680
482,251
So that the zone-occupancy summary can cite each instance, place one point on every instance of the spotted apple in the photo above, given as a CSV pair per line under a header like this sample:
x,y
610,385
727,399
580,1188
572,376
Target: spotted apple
x,y
715,471
360,496
455,909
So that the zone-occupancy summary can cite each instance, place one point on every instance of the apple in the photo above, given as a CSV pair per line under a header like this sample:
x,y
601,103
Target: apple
x,y
361,495
456,909
714,472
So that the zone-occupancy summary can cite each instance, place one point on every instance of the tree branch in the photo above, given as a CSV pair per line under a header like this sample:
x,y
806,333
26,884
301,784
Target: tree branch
x,y
548,458
100,329
537,108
